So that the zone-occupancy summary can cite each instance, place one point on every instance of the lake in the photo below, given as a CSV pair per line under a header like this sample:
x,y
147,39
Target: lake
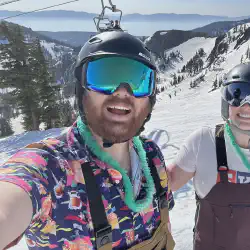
x,y
135,28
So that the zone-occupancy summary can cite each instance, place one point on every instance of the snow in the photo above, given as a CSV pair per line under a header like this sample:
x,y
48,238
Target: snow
x,y
148,39
16,125
189,48
232,33
179,116
233,57
187,51
55,50
49,47
163,33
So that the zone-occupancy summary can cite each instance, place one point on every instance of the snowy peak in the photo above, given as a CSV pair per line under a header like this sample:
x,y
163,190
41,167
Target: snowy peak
x,y
183,62
202,61
164,40
229,42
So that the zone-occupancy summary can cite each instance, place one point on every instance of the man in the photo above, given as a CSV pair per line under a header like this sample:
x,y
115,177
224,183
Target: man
x,y
117,25
74,192
110,25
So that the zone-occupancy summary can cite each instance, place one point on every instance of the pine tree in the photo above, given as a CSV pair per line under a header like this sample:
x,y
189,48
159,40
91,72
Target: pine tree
x,y
179,79
248,52
28,78
201,52
47,93
67,112
200,63
183,69
241,29
191,84
220,82
215,84
16,74
5,115
175,81
5,128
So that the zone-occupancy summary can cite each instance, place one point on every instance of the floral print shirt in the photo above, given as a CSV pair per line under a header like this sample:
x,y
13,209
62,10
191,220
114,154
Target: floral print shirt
x,y
50,172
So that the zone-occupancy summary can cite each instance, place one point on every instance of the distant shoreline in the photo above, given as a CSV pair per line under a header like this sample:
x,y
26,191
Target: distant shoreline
x,y
78,25
157,17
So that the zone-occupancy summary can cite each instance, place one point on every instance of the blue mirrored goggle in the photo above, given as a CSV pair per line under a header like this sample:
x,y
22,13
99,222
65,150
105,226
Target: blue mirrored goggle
x,y
106,74
237,93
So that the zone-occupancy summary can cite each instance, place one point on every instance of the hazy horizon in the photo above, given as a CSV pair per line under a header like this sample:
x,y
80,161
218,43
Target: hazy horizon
x,y
229,8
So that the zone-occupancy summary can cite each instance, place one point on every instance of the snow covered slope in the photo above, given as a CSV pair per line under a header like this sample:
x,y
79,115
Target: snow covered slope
x,y
55,50
188,50
221,54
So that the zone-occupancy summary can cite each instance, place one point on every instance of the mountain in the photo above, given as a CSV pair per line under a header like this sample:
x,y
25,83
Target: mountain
x,y
78,38
31,33
51,14
217,28
201,60
60,55
129,17
162,41
74,38
172,17
167,47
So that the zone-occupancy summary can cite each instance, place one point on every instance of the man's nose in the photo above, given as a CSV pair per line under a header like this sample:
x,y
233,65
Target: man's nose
x,y
124,90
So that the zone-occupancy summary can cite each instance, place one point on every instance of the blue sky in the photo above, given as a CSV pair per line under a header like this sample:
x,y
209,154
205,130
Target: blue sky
x,y
204,7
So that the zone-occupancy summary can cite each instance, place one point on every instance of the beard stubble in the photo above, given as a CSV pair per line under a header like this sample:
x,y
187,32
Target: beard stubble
x,y
114,131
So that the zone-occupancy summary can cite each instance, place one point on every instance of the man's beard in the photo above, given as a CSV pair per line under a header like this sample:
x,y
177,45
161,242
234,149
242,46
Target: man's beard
x,y
114,131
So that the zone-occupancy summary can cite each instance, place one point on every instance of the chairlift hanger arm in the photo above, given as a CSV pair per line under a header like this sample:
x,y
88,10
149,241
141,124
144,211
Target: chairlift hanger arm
x,y
102,4
113,7
110,3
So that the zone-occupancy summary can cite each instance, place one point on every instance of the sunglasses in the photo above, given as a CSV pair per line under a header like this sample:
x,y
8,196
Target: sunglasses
x,y
236,94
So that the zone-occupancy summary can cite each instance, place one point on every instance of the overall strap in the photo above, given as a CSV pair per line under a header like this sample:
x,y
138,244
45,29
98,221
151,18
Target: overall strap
x,y
160,192
102,229
162,199
221,153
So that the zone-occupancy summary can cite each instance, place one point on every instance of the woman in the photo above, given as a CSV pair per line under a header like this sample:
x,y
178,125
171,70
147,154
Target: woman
x,y
219,161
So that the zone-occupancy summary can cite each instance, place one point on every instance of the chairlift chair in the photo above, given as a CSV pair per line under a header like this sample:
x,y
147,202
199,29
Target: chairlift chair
x,y
102,16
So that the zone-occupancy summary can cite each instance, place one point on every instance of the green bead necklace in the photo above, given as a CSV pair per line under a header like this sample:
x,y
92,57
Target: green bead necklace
x,y
136,206
236,147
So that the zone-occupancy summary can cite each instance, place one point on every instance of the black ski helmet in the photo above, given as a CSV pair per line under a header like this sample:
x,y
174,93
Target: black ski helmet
x,y
240,73
108,43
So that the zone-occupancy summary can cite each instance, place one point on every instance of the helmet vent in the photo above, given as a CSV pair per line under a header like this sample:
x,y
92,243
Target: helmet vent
x,y
95,40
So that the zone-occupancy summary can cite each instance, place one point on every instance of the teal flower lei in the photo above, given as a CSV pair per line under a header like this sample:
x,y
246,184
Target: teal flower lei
x,y
136,206
236,147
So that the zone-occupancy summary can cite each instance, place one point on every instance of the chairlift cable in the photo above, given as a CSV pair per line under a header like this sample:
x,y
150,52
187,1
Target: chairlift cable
x,y
9,2
52,6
